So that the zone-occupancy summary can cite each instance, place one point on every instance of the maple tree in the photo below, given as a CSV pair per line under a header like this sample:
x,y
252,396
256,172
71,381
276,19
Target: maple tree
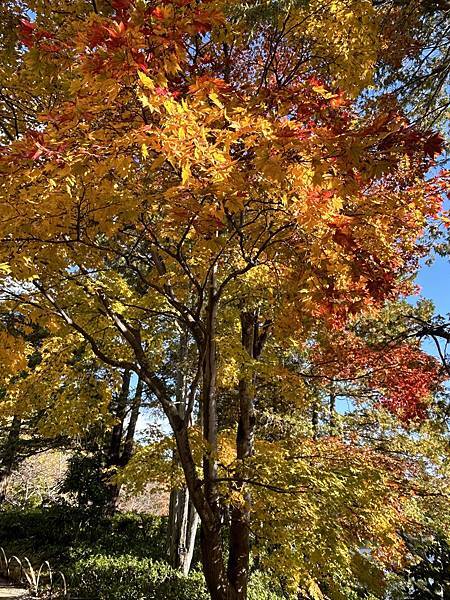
x,y
402,376
24,429
317,466
190,172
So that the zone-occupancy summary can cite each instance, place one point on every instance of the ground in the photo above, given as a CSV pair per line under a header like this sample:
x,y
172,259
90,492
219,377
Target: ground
x,y
9,592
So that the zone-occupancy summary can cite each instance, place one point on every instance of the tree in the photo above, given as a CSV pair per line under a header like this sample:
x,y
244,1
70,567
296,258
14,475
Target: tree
x,y
183,518
429,577
60,373
193,174
20,433
416,66
105,447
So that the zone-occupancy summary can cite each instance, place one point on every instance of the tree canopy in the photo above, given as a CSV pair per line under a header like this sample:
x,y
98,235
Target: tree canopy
x,y
202,169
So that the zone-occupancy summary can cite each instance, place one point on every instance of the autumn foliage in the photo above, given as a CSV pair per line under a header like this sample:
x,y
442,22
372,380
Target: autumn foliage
x,y
399,377
195,175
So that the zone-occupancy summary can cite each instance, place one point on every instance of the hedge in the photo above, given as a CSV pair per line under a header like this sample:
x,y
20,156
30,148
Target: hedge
x,y
124,577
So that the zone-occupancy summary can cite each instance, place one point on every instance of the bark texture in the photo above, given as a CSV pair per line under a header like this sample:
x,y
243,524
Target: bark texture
x,y
183,523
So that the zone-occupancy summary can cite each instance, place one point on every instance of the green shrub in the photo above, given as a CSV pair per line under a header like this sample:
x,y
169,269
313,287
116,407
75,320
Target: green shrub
x,y
64,533
85,478
116,558
127,578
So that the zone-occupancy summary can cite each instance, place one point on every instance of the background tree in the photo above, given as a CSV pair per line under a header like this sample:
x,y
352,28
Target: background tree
x,y
428,578
416,67
37,402
20,435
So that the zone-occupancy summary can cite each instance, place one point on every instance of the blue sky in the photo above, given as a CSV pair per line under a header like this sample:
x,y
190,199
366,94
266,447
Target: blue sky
x,y
434,281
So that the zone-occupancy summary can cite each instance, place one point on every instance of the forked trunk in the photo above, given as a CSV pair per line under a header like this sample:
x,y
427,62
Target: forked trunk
x,y
122,443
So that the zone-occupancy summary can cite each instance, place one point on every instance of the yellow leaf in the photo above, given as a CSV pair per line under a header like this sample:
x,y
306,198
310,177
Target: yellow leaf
x,y
185,173
214,98
170,107
315,591
146,80
144,151
319,89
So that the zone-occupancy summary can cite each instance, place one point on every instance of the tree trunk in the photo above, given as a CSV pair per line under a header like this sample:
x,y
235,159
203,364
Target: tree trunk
x,y
131,429
315,420
118,457
191,534
113,459
183,522
183,518
332,409
9,456
202,491
239,544
209,399
119,411
210,532
213,564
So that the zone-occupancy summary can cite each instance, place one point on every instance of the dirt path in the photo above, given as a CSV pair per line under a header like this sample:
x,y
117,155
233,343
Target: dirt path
x,y
9,592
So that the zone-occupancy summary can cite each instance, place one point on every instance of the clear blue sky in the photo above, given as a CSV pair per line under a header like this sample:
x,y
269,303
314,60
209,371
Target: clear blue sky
x,y
434,281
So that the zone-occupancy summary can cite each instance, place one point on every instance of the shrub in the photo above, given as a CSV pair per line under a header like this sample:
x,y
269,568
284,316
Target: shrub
x,y
128,578
118,558
61,533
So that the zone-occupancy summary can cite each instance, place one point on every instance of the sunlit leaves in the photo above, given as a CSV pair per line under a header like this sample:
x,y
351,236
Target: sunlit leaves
x,y
191,169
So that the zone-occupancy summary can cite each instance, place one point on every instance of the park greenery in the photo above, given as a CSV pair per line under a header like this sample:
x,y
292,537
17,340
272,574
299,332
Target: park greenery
x,y
212,215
